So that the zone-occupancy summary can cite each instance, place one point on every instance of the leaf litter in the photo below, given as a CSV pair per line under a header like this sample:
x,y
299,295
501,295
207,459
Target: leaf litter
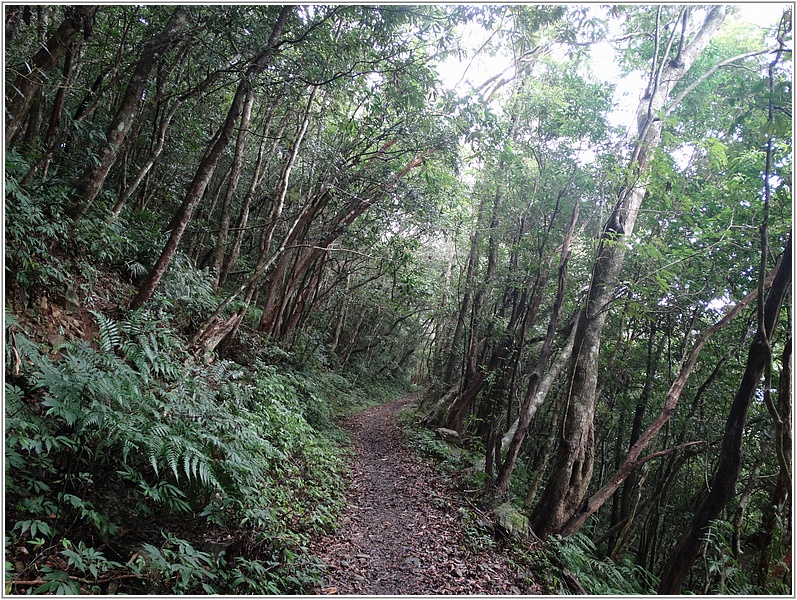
x,y
401,532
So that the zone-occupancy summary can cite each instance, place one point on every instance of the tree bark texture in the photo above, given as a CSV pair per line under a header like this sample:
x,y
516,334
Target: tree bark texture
x,y
20,94
93,178
723,484
572,470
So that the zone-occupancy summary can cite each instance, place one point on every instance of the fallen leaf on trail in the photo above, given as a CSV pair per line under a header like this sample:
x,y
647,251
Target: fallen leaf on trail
x,y
405,511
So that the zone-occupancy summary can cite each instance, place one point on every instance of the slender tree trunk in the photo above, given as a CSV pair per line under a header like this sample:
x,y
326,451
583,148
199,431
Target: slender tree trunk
x,y
94,176
543,457
572,471
344,305
473,381
782,490
723,483
353,339
36,112
464,307
542,390
60,96
652,363
744,500
145,168
278,259
332,230
476,372
50,141
632,461
20,95
529,406
257,178
232,186
208,165
160,136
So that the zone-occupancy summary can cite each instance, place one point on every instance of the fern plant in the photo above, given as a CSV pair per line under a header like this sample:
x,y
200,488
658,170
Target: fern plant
x,y
133,425
31,226
578,555
723,574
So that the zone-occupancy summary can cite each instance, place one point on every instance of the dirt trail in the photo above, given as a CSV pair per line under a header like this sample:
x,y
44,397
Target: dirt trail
x,y
401,532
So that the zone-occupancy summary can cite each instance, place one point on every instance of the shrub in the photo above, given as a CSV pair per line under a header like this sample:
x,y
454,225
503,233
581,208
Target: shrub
x,y
135,430
577,554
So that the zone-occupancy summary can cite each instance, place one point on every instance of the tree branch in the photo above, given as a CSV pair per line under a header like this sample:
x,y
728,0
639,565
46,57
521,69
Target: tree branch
x,y
710,72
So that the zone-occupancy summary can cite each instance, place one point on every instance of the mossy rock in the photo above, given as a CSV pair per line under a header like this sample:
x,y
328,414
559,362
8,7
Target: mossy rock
x,y
510,520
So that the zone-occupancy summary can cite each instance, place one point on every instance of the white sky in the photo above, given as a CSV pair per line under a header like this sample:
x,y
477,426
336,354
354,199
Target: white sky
x,y
628,88
762,14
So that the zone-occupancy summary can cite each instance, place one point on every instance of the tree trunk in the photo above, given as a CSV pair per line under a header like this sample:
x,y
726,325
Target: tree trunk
x,y
278,259
160,136
93,178
543,456
344,305
572,470
257,178
529,406
473,381
723,483
667,473
20,95
145,168
744,500
232,186
58,104
632,461
782,489
49,140
651,368
272,312
464,307
208,166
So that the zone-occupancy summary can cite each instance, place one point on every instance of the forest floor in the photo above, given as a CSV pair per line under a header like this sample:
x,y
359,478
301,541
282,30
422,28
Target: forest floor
x,y
401,532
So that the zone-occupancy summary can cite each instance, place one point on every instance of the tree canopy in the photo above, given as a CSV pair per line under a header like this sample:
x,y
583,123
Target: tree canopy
x,y
570,225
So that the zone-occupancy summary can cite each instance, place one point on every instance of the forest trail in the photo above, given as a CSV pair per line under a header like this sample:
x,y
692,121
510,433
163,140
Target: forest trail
x,y
400,532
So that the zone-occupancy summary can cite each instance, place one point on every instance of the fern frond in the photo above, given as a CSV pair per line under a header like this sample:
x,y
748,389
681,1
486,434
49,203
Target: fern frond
x,y
133,352
109,336
190,461
92,420
153,460
172,454
128,445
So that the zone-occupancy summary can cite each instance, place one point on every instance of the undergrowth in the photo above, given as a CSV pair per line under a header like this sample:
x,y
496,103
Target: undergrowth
x,y
577,555
548,560
132,467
